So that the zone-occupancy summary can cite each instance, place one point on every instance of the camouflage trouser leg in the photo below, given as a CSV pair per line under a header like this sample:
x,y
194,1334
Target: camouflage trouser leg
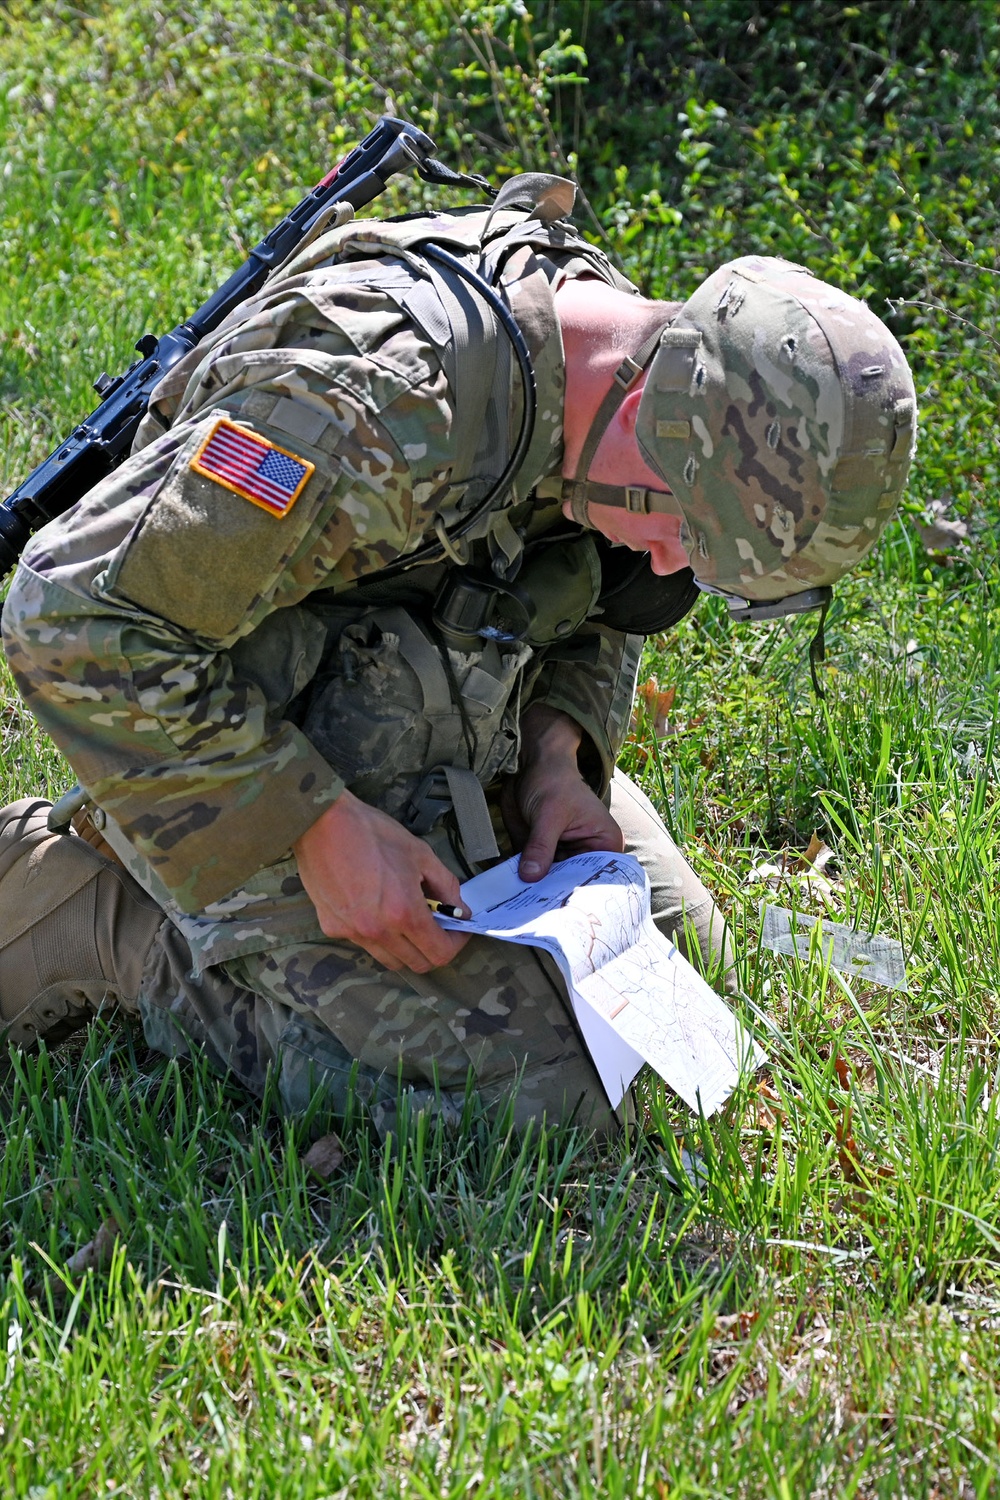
x,y
316,1012
327,1018
683,908
498,1011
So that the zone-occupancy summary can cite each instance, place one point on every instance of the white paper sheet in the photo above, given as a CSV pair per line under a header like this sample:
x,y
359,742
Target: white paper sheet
x,y
634,997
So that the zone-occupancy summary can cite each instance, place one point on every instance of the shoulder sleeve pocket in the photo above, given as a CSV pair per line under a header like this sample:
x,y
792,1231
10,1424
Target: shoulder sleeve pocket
x,y
236,504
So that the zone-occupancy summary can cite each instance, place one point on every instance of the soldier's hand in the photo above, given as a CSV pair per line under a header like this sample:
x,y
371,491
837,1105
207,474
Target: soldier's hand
x,y
368,879
547,807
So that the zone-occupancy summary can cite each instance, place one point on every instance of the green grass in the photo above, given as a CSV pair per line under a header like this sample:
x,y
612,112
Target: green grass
x,y
472,1312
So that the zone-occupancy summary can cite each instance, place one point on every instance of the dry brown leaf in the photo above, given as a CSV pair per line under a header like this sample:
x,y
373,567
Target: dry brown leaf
x,y
29,348
768,1109
657,703
96,1253
51,1192
324,1157
856,1171
847,1149
940,535
737,1326
937,532
817,856
640,751
814,888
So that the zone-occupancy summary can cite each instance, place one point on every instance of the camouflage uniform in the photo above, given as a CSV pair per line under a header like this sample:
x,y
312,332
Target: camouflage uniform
x,y
217,674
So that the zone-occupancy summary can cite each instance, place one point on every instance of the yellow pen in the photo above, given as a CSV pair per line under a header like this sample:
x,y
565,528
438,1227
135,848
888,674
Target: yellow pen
x,y
444,909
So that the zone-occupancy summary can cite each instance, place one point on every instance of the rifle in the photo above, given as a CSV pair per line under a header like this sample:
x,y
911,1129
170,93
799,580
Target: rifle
x,y
101,442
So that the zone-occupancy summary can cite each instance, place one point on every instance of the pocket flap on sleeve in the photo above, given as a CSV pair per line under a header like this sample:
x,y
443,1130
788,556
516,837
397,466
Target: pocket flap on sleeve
x,y
213,541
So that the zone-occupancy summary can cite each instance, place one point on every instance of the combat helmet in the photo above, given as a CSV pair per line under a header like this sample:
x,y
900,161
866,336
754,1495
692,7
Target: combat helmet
x,y
781,413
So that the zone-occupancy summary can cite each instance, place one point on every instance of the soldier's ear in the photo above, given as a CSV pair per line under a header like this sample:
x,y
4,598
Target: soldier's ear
x,y
628,412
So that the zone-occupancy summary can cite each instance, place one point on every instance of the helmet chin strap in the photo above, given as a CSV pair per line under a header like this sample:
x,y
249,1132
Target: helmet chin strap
x,y
582,492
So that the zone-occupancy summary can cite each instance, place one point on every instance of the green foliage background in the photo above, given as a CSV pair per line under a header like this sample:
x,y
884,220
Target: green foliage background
x,y
487,1316
860,140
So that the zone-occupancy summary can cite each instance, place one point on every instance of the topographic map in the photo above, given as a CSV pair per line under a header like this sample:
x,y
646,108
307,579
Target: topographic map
x,y
635,998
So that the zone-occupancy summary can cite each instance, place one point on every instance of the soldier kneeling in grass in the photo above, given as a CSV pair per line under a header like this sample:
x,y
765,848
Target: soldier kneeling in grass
x,y
313,665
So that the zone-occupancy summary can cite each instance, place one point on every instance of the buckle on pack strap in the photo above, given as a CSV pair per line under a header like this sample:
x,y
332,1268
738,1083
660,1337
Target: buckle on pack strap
x,y
448,787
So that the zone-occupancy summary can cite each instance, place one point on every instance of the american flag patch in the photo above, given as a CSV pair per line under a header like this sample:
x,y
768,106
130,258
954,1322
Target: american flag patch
x,y
250,466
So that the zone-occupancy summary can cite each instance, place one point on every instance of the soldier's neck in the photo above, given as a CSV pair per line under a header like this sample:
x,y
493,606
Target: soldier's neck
x,y
599,325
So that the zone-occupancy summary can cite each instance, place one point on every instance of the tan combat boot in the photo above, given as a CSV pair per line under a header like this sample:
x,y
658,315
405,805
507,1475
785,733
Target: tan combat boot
x,y
75,929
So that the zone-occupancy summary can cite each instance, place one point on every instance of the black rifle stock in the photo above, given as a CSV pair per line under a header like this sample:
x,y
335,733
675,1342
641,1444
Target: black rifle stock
x,y
104,438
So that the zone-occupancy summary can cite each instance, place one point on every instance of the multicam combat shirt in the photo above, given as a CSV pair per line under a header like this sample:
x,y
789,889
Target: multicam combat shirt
x,y
161,628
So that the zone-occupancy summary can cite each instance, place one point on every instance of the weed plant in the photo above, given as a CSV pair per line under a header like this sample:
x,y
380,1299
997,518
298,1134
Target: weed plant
x,y
469,1311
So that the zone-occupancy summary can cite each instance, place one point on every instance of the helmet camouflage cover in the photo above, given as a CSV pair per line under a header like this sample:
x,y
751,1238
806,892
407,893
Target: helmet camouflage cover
x,y
781,413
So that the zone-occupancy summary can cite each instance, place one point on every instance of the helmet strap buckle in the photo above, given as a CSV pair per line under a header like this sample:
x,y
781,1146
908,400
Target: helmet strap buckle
x,y
627,373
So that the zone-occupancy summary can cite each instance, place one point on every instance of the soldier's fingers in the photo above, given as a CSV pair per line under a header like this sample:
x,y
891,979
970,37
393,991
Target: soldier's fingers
x,y
407,937
438,880
539,850
381,955
440,960
396,952
437,946
406,955
607,836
